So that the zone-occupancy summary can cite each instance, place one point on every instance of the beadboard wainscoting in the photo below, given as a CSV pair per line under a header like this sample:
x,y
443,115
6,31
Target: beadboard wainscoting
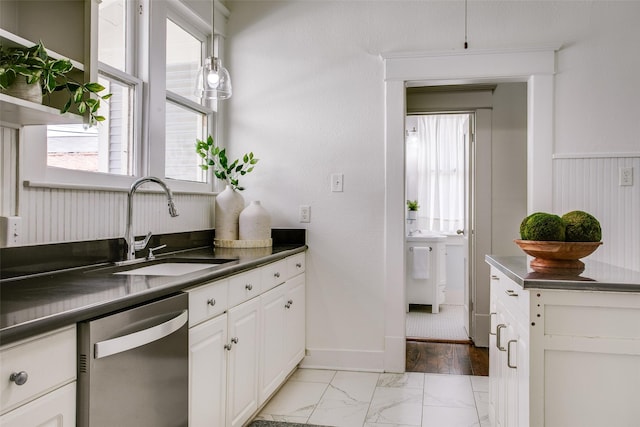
x,y
61,215
591,183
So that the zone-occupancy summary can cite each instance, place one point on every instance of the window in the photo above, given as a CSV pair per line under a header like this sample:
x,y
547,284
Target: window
x,y
137,138
186,120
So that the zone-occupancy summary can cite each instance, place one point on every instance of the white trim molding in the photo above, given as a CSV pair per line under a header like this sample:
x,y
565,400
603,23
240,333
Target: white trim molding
x,y
535,66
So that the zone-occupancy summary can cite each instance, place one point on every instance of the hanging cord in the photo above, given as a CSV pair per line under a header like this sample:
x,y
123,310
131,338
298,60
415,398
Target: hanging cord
x,y
466,45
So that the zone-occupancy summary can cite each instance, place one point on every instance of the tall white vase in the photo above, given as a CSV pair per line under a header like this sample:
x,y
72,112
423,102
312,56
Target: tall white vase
x,y
255,222
229,204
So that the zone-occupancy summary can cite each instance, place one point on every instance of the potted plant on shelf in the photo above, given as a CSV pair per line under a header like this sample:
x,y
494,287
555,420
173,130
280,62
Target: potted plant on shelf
x,y
31,70
229,203
412,209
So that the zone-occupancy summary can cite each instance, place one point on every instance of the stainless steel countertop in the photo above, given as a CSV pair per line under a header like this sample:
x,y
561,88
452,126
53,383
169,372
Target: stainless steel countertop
x,y
597,276
35,304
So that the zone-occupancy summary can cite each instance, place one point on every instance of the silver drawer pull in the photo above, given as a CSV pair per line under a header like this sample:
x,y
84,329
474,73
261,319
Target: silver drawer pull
x,y
511,293
211,302
494,277
509,354
299,265
276,274
248,286
19,378
288,304
498,329
228,347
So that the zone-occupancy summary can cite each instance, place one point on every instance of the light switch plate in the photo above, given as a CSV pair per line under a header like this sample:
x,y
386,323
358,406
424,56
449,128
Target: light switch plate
x,y
337,182
10,230
626,176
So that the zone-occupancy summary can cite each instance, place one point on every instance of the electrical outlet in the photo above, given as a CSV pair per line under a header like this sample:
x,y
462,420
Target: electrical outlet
x,y
626,176
337,182
10,230
305,213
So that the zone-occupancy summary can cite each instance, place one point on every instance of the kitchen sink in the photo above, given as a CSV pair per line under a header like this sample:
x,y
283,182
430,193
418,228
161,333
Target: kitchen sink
x,y
165,266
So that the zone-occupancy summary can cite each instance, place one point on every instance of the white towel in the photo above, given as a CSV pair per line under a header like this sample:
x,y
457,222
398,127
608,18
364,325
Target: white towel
x,y
420,268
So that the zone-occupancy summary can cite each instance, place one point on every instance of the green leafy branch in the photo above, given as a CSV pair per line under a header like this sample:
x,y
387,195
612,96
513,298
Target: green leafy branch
x,y
215,158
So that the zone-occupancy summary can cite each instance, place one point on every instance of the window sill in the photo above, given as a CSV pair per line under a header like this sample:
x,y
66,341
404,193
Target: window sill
x,y
93,187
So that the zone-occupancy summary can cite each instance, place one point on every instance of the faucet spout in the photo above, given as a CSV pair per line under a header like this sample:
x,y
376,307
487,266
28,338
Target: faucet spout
x,y
129,237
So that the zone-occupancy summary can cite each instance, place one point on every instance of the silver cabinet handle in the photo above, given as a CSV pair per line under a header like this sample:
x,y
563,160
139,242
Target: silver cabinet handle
x,y
509,354
288,304
511,293
140,338
234,340
494,277
459,231
248,286
299,265
227,347
491,314
498,329
19,378
211,302
276,274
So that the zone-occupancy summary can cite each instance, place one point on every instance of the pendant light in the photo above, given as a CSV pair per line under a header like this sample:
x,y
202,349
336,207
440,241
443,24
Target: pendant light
x,y
213,81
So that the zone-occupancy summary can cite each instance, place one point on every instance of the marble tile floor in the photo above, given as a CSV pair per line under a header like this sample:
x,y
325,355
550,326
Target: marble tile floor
x,y
364,399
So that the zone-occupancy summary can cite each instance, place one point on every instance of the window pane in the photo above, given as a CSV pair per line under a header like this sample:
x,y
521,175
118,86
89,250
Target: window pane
x,y
112,33
106,147
183,127
184,58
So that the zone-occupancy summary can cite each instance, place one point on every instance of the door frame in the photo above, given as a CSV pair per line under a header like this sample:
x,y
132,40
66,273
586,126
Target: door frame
x,y
534,66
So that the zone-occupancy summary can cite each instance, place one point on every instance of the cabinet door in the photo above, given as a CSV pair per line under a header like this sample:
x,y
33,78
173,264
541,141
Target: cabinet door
x,y
272,358
242,368
55,409
295,313
207,373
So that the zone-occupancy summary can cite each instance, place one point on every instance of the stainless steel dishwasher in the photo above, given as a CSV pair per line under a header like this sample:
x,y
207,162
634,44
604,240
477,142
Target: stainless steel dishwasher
x,y
133,367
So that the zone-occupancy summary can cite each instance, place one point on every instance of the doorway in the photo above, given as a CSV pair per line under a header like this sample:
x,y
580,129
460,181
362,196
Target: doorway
x,y
439,182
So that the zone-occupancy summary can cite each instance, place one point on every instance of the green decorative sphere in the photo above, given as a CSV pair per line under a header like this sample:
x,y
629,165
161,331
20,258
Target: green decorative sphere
x,y
581,227
542,226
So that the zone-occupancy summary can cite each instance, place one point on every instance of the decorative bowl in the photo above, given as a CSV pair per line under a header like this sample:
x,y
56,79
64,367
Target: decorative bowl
x,y
557,257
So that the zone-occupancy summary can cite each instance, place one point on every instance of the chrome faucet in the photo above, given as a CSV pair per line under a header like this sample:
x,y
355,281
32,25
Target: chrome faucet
x,y
136,245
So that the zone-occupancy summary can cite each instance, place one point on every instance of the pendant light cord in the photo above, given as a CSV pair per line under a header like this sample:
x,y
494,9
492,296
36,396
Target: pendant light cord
x,y
466,45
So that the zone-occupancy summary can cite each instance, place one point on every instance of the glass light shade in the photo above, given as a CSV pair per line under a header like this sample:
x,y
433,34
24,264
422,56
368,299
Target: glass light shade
x,y
213,80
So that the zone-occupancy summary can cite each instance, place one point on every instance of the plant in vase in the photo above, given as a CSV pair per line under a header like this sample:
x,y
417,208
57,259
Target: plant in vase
x,y
412,209
30,73
229,203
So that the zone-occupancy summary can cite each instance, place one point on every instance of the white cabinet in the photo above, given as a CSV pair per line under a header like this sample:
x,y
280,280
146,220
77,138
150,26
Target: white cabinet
x,y
207,373
33,394
563,357
247,333
242,375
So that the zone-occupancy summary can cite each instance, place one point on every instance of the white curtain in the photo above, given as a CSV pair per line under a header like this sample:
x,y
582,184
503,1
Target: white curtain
x,y
435,167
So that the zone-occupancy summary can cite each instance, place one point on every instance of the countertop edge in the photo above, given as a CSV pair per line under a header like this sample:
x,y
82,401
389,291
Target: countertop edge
x,y
11,334
506,265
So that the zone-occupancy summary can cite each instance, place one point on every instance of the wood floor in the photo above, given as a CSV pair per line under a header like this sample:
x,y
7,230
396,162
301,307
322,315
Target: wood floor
x,y
447,358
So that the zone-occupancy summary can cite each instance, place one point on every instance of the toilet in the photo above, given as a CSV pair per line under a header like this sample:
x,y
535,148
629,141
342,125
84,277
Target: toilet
x,y
425,274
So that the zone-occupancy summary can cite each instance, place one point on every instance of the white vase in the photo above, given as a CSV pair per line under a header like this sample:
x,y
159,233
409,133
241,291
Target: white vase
x,y
255,222
229,204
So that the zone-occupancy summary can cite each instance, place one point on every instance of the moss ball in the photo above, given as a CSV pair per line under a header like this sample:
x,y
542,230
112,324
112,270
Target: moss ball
x,y
581,227
542,226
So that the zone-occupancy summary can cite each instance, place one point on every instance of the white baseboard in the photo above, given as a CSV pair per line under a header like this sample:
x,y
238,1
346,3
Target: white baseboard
x,y
344,360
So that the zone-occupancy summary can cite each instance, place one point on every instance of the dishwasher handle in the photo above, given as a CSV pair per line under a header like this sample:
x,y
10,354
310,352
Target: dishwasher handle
x,y
138,339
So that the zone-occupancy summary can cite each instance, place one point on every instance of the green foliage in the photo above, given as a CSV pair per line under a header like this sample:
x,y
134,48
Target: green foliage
x,y
412,205
35,66
542,226
582,227
216,158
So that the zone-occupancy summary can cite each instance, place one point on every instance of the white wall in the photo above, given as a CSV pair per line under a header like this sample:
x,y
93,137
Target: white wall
x,y
309,100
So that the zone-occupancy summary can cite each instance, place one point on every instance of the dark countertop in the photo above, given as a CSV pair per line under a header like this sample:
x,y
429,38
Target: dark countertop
x,y
597,276
42,302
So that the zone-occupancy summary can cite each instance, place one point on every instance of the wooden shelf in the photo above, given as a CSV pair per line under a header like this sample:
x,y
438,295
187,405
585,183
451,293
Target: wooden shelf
x,y
16,111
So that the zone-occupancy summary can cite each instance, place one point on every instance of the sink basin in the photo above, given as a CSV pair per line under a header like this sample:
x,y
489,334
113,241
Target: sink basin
x,y
166,266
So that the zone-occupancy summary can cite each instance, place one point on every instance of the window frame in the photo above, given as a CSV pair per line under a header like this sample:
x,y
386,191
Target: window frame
x,y
147,35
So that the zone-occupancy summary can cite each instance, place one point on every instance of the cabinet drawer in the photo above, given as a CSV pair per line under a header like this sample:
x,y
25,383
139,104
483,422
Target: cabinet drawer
x,y
244,286
274,274
207,301
49,360
296,264
55,409
513,296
